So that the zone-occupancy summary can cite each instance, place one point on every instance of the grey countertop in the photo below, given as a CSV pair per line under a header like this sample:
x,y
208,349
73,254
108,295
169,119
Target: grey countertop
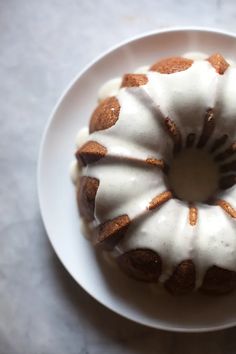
x,y
43,45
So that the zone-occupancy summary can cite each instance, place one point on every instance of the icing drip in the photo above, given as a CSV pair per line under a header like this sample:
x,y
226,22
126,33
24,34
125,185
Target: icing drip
x,y
110,88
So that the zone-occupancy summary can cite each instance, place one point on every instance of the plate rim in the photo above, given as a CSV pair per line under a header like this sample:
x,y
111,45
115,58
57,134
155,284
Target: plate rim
x,y
62,96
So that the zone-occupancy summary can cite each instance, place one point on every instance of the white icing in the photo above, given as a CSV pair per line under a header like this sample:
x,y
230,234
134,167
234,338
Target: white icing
x,y
135,133
87,229
82,137
215,241
131,193
195,55
185,96
110,88
127,188
142,69
166,231
226,104
74,171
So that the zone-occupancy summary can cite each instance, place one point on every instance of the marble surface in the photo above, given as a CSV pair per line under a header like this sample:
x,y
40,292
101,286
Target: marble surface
x,y
43,45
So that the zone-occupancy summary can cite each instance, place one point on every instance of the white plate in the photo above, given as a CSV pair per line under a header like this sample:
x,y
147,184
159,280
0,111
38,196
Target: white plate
x,y
57,196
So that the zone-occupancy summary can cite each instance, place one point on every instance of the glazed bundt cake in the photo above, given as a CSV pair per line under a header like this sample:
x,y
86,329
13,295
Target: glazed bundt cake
x,y
157,174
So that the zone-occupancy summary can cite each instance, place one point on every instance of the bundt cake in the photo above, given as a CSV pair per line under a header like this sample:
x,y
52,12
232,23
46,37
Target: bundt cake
x,y
156,179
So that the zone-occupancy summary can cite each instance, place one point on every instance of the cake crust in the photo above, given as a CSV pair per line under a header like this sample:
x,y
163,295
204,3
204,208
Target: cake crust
x,y
90,152
105,115
141,264
171,65
219,63
86,195
182,281
110,232
219,281
134,80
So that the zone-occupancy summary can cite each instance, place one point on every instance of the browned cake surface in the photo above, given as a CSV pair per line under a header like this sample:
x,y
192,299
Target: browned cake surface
x,y
171,65
207,129
134,80
174,133
182,280
90,152
219,281
111,232
141,264
105,115
86,196
160,199
219,63
193,215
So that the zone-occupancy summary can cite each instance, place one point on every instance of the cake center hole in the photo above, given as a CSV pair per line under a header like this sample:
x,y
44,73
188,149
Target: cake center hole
x,y
193,175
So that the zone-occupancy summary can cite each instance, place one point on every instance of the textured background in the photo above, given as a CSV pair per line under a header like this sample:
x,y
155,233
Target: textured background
x,y
43,44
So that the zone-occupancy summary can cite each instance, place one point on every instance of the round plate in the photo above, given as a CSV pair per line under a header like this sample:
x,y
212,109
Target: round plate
x,y
106,284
